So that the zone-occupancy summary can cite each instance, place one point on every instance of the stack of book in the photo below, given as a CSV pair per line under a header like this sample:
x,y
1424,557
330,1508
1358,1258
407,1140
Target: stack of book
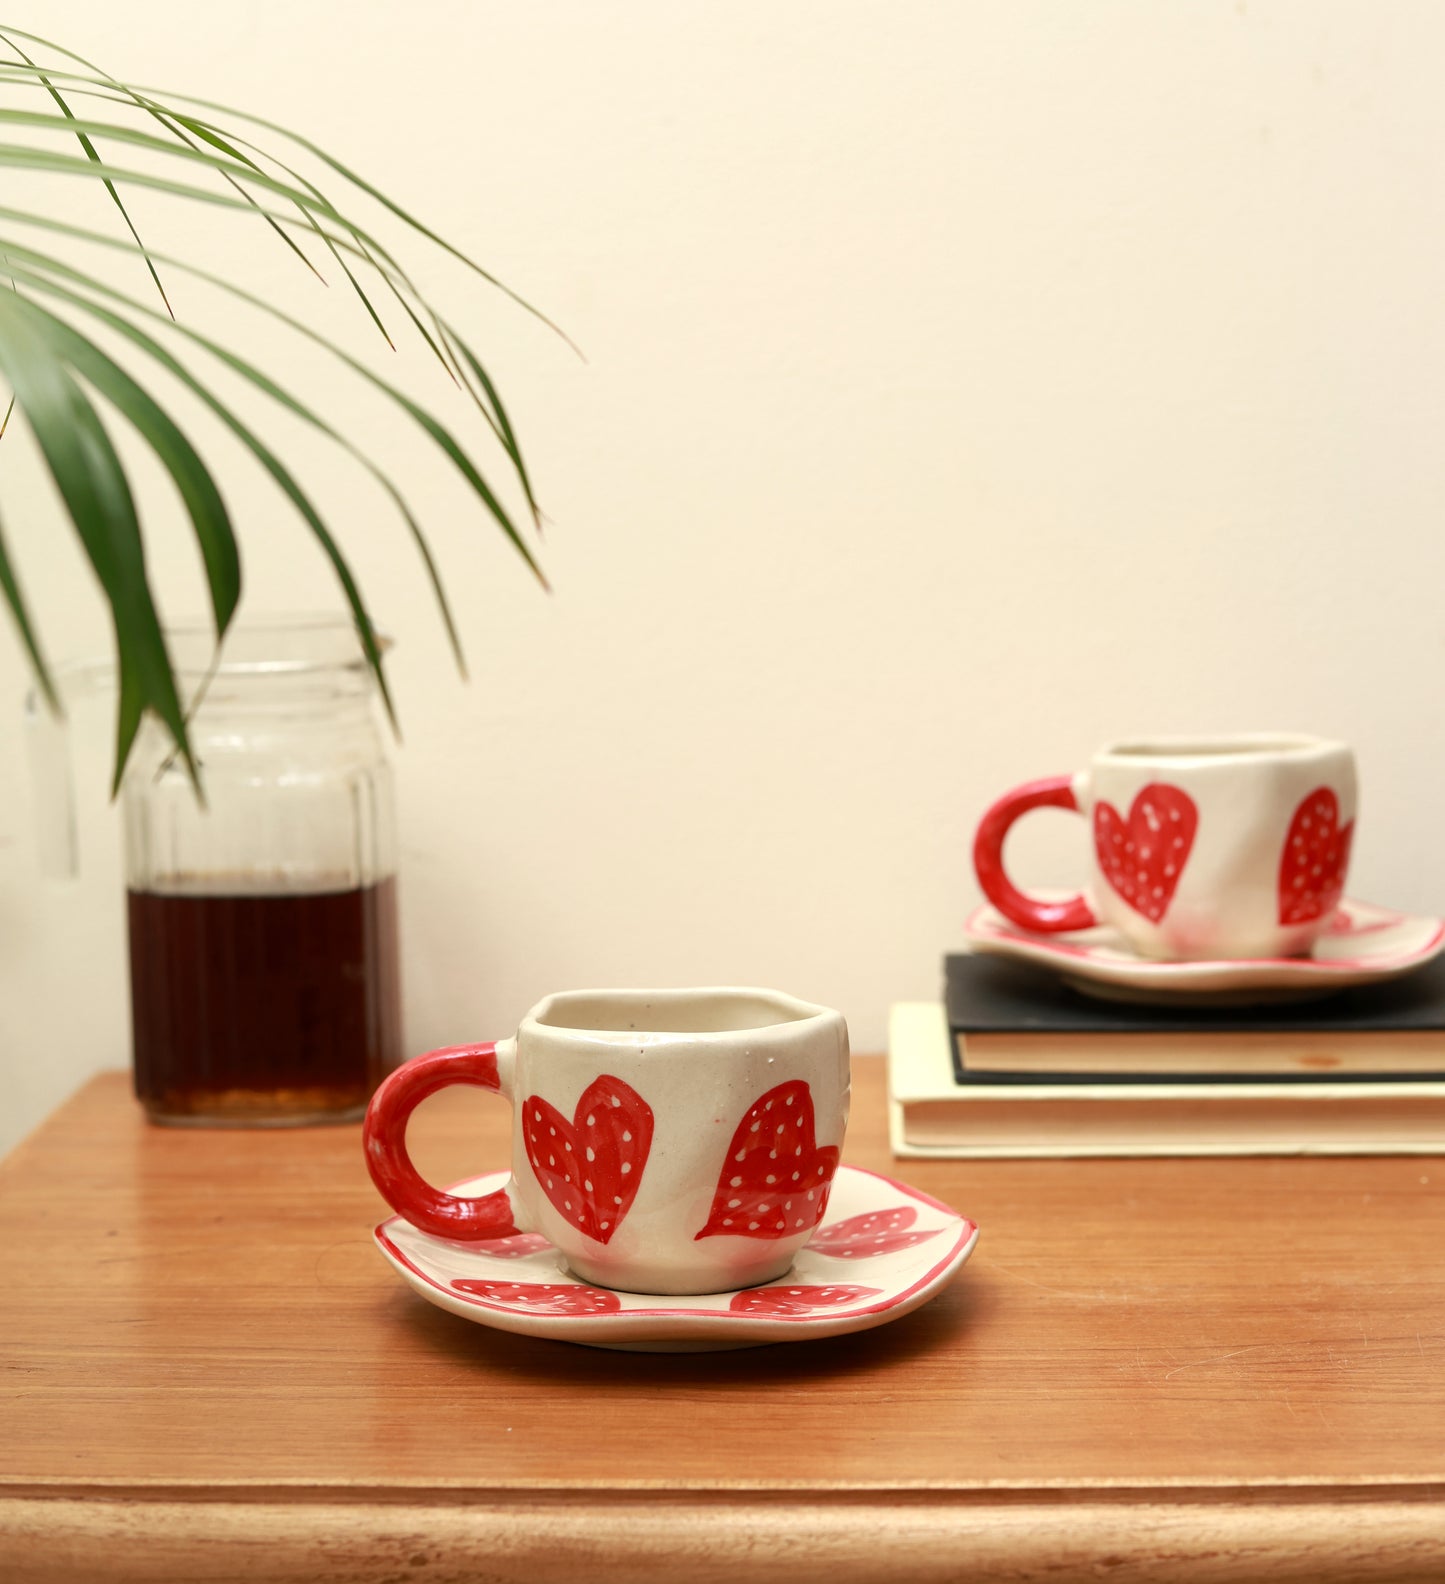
x,y
1014,1062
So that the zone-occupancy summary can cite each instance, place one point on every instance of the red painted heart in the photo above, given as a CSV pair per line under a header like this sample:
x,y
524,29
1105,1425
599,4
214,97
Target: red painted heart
x,y
878,1232
590,1167
775,1179
795,1302
553,1298
1142,858
1315,857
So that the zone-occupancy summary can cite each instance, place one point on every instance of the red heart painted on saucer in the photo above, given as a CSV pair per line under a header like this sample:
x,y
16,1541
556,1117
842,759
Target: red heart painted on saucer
x,y
775,1180
590,1167
1143,857
785,1301
878,1232
1315,857
554,1298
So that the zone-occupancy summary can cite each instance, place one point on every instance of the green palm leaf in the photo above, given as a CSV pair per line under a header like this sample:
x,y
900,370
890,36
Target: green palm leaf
x,y
161,119
442,436
49,362
89,476
83,139
231,182
311,148
272,463
175,120
198,491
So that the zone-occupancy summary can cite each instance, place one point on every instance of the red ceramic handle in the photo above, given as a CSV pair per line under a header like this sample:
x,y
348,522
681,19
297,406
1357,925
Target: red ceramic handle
x,y
1073,913
384,1136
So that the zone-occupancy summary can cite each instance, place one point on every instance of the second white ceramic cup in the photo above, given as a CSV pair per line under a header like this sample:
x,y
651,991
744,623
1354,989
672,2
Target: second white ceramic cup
x,y
1214,847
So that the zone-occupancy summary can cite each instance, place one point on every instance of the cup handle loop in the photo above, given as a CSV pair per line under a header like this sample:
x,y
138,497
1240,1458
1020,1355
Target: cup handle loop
x,y
1030,913
493,1215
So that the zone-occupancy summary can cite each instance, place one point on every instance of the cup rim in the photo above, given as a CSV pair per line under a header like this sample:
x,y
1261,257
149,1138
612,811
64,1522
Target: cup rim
x,y
793,1013
1227,748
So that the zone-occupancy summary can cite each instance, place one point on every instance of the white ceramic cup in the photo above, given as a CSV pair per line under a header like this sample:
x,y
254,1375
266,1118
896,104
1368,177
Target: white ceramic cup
x,y
1214,847
664,1141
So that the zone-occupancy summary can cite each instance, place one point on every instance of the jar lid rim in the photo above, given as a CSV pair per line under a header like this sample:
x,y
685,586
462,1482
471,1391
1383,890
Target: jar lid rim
x,y
268,645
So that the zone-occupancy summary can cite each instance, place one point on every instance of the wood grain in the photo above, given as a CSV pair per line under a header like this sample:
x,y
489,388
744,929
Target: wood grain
x,y
195,1331
704,1540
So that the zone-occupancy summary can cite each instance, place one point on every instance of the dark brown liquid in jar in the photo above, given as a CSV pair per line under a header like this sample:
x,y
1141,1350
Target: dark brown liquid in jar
x,y
263,1006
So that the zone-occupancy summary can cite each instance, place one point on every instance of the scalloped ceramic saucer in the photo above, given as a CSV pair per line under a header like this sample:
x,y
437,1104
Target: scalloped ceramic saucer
x,y
881,1250
1363,945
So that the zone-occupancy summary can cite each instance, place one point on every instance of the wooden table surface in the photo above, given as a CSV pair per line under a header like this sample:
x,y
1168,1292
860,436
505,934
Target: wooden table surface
x,y
1192,1369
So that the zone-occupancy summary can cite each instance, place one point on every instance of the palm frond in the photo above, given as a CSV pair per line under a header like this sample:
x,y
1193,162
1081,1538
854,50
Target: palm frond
x,y
202,500
51,363
45,283
92,482
15,251
235,146
307,146
83,139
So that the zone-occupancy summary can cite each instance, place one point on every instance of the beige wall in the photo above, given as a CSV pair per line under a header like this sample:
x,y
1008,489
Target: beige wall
x,y
967,383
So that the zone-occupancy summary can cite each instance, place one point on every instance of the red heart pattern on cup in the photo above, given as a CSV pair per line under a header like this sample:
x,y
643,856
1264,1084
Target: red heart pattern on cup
x,y
775,1179
1143,857
590,1167
1315,858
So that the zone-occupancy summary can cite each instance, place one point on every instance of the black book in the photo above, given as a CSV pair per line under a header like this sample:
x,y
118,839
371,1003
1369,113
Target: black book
x,y
1013,1022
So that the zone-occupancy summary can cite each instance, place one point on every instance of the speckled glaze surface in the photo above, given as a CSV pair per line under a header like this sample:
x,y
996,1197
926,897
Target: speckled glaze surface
x,y
1200,849
670,1141
881,1250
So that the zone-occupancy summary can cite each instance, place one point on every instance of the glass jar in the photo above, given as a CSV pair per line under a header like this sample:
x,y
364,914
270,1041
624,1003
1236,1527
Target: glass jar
x,y
265,980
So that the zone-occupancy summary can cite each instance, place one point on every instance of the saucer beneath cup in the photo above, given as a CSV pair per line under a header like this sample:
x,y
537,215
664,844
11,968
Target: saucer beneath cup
x,y
881,1250
1363,945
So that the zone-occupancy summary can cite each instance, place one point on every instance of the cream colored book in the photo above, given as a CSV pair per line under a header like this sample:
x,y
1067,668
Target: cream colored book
x,y
932,1113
